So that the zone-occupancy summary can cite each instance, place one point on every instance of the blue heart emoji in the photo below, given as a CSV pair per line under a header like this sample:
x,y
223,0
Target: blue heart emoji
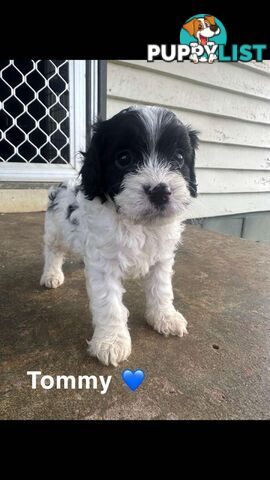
x,y
133,379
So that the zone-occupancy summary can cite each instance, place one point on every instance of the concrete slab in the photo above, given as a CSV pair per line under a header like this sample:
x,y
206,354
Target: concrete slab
x,y
221,370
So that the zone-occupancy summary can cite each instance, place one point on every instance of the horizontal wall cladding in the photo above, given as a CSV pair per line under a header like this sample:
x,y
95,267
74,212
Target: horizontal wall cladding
x,y
229,104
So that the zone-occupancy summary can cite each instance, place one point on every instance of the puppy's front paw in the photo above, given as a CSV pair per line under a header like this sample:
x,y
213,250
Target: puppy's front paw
x,y
171,323
112,347
52,280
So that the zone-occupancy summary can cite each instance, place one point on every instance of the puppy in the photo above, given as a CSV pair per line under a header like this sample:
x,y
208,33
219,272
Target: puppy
x,y
125,217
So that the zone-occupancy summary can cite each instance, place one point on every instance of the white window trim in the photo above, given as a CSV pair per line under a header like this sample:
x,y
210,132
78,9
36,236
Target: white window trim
x,y
35,172
77,112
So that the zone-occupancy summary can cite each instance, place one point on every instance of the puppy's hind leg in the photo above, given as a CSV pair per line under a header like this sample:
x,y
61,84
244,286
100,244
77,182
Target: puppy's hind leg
x,y
54,251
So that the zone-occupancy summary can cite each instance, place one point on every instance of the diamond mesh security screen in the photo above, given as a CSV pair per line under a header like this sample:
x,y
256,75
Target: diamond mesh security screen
x,y
34,111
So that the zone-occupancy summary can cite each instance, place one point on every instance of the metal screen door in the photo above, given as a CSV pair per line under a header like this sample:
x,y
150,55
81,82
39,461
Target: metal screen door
x,y
43,111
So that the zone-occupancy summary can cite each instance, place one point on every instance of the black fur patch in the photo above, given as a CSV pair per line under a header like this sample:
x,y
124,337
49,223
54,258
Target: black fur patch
x,y
74,221
52,199
52,195
71,208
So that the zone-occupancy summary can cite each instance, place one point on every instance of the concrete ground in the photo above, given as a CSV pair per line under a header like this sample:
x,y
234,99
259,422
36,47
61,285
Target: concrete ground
x,y
221,370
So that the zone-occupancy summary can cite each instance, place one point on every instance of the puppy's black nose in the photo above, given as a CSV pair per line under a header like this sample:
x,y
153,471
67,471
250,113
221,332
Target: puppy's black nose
x,y
158,195
213,28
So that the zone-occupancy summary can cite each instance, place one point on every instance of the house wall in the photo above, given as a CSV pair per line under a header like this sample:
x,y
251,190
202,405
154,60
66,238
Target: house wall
x,y
229,104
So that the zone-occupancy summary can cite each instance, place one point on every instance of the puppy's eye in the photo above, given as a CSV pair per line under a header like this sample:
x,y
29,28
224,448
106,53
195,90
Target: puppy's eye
x,y
180,158
123,159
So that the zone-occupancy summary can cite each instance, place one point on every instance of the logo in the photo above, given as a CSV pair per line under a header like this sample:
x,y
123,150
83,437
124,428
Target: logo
x,y
203,38
203,33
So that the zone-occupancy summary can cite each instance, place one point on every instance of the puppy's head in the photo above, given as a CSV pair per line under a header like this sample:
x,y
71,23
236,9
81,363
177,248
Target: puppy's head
x,y
143,160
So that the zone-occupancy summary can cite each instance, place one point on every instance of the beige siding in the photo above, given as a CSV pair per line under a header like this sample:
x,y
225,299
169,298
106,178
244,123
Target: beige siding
x,y
229,104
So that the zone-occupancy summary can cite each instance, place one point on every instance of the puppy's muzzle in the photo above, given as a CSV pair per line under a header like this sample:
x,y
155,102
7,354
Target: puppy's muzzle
x,y
158,195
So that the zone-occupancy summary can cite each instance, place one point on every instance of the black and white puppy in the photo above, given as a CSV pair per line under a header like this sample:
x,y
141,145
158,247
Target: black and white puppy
x,y
126,218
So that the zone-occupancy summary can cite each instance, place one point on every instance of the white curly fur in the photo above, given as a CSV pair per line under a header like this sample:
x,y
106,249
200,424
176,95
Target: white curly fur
x,y
115,247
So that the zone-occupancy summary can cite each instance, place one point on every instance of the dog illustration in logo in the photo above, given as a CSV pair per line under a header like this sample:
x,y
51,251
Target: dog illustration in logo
x,y
202,29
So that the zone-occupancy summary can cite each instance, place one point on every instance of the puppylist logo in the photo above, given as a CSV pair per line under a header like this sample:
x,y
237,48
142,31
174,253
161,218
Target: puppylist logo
x,y
202,39
204,34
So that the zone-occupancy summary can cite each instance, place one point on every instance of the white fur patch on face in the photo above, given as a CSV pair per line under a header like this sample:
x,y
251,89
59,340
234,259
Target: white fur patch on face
x,y
152,122
134,203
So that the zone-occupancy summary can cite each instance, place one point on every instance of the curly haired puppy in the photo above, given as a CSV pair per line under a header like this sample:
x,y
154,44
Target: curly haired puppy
x,y
125,217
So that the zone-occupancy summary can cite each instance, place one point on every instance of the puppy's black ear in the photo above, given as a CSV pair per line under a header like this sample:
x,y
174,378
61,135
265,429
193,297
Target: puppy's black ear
x,y
194,140
91,170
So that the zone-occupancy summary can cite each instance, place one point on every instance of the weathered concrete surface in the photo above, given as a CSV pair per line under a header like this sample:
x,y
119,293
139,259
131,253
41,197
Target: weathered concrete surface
x,y
221,285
